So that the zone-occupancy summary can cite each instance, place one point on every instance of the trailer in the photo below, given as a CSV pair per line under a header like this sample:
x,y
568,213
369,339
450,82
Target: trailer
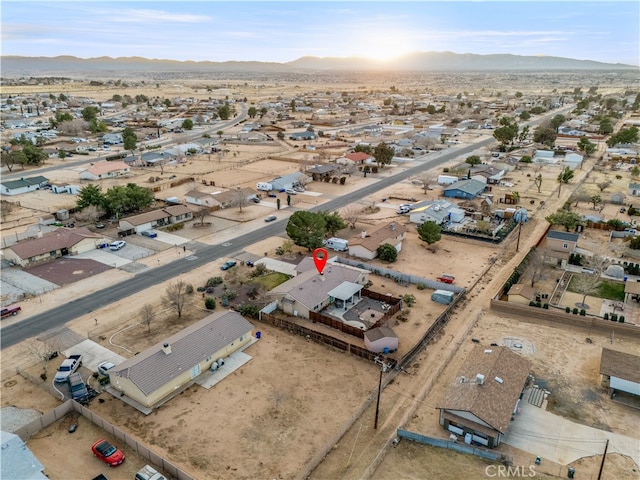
x,y
79,390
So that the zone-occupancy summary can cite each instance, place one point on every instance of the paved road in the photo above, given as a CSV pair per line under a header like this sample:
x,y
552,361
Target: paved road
x,y
58,316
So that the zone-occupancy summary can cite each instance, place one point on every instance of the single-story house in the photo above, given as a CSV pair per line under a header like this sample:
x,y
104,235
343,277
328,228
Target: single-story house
x,y
309,291
17,462
322,172
489,175
544,156
60,242
572,157
558,241
306,135
634,189
618,198
484,396
438,212
230,198
289,181
101,170
157,158
202,199
24,185
521,293
156,218
381,340
159,372
359,158
366,245
620,371
467,189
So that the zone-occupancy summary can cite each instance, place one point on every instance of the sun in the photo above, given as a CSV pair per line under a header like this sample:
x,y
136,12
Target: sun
x,y
386,47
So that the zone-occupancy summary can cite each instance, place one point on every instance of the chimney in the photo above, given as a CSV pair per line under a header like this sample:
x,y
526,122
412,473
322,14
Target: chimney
x,y
392,226
166,348
363,234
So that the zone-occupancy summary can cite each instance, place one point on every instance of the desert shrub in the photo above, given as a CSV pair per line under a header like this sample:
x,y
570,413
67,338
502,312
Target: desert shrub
x,y
175,226
214,281
259,270
420,286
229,295
575,311
279,251
545,306
189,289
249,311
532,303
210,303
568,310
409,299
403,316
583,312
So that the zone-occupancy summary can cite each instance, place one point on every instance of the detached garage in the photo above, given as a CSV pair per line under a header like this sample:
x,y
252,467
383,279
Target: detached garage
x,y
620,371
381,340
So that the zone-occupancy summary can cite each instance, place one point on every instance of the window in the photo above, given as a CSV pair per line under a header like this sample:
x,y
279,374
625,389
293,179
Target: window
x,y
565,245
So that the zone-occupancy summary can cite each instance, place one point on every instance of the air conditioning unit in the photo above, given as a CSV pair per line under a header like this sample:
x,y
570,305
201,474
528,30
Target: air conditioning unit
x,y
479,379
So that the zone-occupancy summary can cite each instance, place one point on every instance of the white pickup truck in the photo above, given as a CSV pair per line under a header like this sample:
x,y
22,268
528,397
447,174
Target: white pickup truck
x,y
70,365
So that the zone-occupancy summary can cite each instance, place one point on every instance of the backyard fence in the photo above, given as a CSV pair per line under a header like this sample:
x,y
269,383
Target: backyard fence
x,y
70,406
451,445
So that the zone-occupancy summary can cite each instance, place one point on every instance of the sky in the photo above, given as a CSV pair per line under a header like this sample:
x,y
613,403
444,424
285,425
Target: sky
x,y
284,31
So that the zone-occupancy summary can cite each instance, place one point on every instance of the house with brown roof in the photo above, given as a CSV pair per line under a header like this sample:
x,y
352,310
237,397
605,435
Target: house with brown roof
x,y
480,403
366,245
311,292
359,158
521,293
156,374
52,245
229,198
202,199
156,218
102,170
620,371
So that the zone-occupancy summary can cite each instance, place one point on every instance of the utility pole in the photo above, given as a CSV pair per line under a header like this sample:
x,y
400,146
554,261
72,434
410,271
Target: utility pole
x,y
383,369
604,455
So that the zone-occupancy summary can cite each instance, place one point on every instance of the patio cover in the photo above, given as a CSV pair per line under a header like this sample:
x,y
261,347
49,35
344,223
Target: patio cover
x,y
345,291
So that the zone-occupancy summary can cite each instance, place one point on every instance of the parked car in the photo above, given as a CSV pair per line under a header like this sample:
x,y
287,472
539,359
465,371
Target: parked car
x,y
100,225
290,191
149,473
67,367
270,218
117,245
106,452
255,199
104,367
149,233
13,310
298,189
228,264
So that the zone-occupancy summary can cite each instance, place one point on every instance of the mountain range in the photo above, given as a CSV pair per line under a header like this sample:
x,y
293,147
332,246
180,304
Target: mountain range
x,y
18,66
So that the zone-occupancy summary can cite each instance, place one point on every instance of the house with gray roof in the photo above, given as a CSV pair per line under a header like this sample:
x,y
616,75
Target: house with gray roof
x,y
306,135
17,462
156,374
156,218
311,292
437,211
24,185
467,189
634,189
289,181
482,399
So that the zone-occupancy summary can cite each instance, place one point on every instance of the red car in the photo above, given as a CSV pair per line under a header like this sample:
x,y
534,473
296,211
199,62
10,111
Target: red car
x,y
106,452
11,311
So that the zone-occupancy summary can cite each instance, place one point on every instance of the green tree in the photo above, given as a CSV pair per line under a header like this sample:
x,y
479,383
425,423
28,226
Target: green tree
x,y
564,176
473,160
90,113
90,195
557,121
130,139
525,116
624,136
383,154
362,148
306,229
569,220
14,157
252,112
429,232
187,124
537,181
333,223
293,105
387,253
545,134
606,127
595,200
586,146
507,132
224,112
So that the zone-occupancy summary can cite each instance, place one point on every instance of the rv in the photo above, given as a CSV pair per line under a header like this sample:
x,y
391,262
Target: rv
x,y
337,244
264,186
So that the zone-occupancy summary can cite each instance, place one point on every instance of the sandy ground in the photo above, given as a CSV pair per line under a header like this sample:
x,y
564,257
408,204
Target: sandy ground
x,y
293,399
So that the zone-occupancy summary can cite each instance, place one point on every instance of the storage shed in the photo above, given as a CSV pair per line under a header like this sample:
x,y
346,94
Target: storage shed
x,y
381,340
442,296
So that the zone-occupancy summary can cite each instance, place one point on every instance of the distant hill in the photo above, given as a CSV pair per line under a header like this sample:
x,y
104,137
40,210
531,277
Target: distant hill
x,y
16,66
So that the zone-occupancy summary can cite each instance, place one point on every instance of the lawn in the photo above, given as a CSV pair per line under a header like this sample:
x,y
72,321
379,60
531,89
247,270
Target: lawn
x,y
605,289
271,280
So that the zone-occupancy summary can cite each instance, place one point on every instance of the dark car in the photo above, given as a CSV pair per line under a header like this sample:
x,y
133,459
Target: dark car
x,y
273,195
13,310
106,452
228,264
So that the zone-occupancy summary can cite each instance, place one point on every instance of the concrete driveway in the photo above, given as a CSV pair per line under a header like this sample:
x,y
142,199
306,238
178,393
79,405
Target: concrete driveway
x,y
560,440
93,354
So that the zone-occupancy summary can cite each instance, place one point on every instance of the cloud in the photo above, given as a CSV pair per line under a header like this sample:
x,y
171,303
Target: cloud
x,y
155,16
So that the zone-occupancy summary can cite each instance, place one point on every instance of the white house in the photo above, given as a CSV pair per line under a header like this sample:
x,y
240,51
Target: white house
x,y
102,170
366,245
24,185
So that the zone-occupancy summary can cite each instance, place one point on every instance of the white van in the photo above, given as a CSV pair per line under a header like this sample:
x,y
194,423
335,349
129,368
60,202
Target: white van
x,y
337,244
264,186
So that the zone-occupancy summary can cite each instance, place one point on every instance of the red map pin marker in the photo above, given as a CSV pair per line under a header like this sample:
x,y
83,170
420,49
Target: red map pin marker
x,y
320,256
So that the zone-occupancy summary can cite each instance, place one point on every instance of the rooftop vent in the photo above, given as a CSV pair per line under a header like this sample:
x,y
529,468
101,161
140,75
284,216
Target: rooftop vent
x,y
166,348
